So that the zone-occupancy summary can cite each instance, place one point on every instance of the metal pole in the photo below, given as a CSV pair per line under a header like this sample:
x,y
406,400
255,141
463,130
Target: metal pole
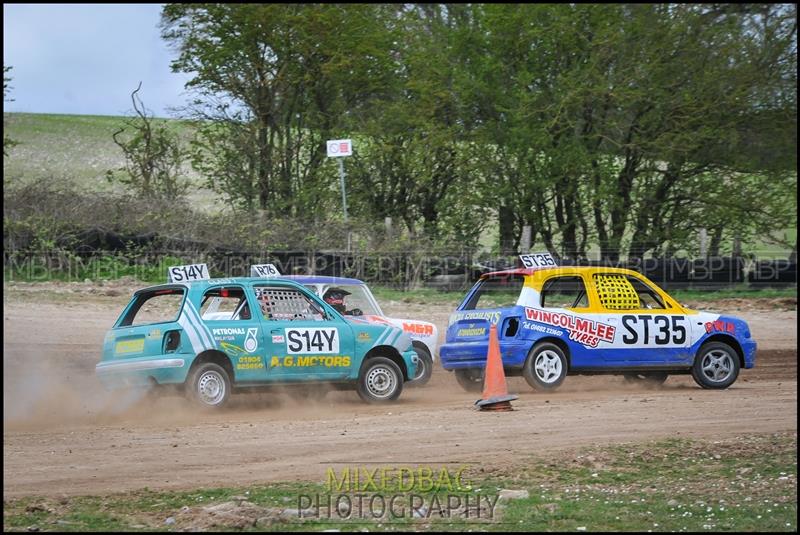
x,y
344,195
703,242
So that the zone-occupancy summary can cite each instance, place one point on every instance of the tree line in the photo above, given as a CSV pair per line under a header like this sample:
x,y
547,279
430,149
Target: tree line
x,y
620,127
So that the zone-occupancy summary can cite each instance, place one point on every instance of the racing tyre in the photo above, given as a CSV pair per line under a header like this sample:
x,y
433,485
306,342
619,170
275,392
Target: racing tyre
x,y
209,386
716,365
380,380
470,379
424,366
546,366
647,378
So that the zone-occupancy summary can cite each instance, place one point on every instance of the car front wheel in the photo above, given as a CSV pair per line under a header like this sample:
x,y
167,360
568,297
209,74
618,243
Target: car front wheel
x,y
380,380
546,366
424,367
716,365
209,386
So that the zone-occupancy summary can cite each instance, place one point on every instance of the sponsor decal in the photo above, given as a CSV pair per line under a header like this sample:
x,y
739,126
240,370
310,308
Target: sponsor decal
x,y
228,332
129,346
422,329
249,363
277,339
155,333
584,331
364,337
312,341
720,326
251,341
472,332
491,317
541,328
291,361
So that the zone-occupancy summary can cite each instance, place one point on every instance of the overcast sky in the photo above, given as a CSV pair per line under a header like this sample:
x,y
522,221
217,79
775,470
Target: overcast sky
x,y
86,59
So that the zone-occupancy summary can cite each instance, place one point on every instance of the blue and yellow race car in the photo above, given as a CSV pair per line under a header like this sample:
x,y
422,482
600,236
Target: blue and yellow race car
x,y
212,336
553,321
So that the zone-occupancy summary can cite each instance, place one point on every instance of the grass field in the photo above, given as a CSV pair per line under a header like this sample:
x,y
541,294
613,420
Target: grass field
x,y
744,483
76,150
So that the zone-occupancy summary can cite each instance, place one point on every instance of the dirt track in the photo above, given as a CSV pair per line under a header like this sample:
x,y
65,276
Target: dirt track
x,y
64,435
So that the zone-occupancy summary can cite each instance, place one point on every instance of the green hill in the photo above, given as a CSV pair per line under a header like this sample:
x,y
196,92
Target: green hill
x,y
76,150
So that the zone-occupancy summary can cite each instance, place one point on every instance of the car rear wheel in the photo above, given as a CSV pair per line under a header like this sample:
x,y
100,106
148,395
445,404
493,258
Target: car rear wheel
x,y
380,380
470,379
424,366
209,386
647,378
546,366
716,365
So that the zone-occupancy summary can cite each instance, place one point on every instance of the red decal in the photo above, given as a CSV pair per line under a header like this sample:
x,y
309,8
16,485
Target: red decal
x,y
721,326
418,328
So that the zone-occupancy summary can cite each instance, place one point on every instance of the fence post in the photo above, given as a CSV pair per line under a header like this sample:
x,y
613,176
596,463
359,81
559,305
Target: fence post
x,y
525,241
703,242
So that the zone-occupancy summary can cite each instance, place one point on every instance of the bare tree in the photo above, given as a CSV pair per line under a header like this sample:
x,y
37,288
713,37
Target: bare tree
x,y
153,155
7,141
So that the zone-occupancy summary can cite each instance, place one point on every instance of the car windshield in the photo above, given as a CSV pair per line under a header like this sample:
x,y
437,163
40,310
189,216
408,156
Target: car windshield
x,y
350,299
496,292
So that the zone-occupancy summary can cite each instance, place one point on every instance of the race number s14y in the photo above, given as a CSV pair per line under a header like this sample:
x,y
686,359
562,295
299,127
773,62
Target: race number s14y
x,y
314,341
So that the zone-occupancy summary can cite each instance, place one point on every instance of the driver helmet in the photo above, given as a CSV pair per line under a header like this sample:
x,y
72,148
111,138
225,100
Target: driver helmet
x,y
335,298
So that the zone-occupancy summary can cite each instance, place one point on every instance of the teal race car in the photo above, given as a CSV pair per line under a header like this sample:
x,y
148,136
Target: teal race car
x,y
211,337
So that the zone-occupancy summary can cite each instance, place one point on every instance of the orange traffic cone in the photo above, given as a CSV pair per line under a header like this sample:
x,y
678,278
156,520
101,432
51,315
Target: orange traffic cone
x,y
495,392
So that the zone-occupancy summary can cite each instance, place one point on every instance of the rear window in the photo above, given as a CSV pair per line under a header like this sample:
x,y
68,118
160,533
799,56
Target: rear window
x,y
496,292
158,306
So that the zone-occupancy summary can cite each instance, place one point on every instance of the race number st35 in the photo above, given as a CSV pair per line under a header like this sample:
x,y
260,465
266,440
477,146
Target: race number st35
x,y
312,341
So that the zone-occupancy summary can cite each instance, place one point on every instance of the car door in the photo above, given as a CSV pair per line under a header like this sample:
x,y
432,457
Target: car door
x,y
565,311
226,311
307,341
649,328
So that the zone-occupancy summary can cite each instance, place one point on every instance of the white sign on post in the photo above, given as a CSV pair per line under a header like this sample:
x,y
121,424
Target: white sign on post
x,y
336,149
340,147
